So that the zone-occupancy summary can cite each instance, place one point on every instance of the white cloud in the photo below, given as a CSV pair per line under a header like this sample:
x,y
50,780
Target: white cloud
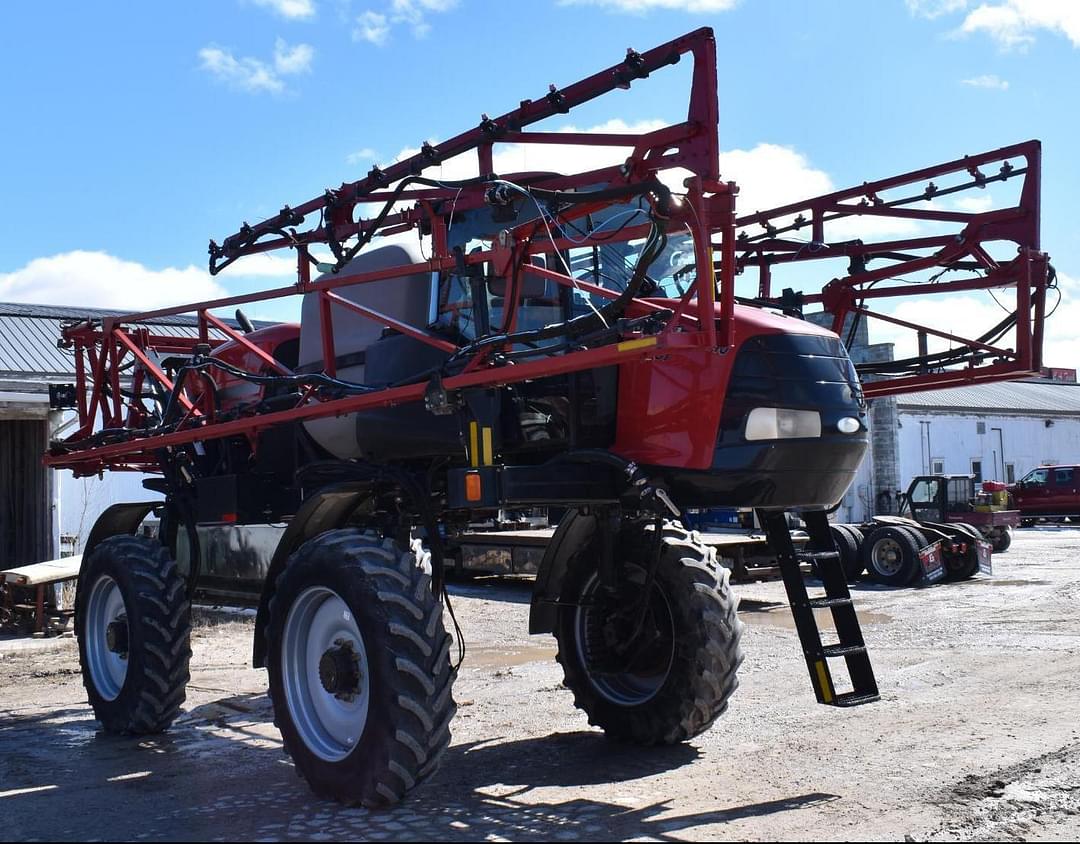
x,y
99,280
771,176
292,9
264,265
990,81
414,13
1013,24
290,60
361,155
520,158
935,8
972,314
639,7
372,27
377,27
768,175
1062,343
253,75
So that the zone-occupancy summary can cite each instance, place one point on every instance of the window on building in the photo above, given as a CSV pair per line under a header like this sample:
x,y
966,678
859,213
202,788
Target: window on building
x,y
976,470
980,427
1010,473
937,466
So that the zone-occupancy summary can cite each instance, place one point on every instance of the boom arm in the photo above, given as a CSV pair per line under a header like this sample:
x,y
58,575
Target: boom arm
x,y
141,396
951,250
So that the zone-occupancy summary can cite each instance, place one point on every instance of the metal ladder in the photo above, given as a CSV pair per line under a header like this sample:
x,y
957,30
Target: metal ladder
x,y
822,553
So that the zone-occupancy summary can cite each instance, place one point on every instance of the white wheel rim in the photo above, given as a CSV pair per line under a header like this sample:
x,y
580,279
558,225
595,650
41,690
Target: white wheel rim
x,y
329,723
888,556
108,669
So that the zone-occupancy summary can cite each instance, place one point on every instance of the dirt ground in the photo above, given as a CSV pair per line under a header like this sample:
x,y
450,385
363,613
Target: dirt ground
x,y
977,735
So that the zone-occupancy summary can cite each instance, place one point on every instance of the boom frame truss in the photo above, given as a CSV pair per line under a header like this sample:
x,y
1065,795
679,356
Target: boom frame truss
x,y
120,362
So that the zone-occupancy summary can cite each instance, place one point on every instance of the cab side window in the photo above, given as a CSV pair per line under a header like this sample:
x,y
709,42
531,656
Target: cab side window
x,y
1039,477
925,492
1063,477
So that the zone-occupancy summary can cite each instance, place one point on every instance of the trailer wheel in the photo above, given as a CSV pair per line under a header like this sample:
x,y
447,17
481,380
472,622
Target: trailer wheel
x,y
359,667
964,567
678,677
134,629
1002,540
848,546
891,556
920,538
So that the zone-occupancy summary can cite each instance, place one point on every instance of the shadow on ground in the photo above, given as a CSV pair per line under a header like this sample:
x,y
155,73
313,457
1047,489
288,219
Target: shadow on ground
x,y
221,769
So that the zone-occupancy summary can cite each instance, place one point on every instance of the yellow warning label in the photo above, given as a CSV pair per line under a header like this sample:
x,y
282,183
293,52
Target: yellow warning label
x,y
823,679
630,345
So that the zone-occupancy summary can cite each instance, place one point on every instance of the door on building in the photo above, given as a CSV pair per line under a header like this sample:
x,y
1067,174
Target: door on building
x,y
25,505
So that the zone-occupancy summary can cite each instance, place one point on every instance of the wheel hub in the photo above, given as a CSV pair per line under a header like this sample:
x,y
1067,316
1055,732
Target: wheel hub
x,y
116,637
339,671
627,655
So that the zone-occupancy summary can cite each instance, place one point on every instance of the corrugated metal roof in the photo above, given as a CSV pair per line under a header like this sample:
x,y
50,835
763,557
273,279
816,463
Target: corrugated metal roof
x,y
28,335
1050,397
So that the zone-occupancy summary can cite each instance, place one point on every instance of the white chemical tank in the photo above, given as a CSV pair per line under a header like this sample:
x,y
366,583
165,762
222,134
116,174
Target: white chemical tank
x,y
407,299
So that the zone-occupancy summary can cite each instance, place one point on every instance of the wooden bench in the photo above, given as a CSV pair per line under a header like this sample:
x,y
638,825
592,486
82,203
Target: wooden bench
x,y
38,576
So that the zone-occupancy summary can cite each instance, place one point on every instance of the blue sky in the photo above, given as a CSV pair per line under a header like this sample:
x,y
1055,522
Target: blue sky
x,y
134,132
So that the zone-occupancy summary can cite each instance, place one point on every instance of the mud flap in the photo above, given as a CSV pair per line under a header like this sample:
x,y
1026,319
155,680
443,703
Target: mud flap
x,y
932,560
985,551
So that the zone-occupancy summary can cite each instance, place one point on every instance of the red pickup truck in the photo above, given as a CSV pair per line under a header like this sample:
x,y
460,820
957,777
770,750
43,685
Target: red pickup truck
x,y
1047,492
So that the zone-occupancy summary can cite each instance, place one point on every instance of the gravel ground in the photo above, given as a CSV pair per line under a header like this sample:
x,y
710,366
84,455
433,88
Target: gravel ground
x,y
977,735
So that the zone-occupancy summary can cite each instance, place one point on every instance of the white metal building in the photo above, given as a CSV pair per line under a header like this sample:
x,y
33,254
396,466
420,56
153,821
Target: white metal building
x,y
993,431
39,507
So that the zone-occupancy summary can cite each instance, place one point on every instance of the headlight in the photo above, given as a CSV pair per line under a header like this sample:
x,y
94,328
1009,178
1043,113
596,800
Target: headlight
x,y
849,425
777,423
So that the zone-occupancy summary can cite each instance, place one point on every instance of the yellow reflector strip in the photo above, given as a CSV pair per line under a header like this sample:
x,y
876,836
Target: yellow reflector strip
x,y
488,456
473,491
630,345
823,679
474,447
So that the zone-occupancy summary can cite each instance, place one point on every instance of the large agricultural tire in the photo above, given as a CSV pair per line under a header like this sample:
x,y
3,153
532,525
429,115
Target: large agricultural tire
x,y
680,679
359,666
134,630
848,545
891,556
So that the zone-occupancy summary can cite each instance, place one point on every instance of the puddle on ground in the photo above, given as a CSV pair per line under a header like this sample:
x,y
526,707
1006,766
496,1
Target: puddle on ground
x,y
992,581
780,616
506,657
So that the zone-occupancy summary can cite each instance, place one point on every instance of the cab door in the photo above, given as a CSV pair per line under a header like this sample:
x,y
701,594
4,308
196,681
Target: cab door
x,y
1032,493
1062,495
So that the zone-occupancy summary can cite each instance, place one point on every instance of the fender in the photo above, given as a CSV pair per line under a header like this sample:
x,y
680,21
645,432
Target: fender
x,y
115,520
326,510
576,530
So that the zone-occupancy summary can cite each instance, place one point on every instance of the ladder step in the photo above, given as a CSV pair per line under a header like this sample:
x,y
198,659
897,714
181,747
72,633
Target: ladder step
x,y
855,698
829,603
830,651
